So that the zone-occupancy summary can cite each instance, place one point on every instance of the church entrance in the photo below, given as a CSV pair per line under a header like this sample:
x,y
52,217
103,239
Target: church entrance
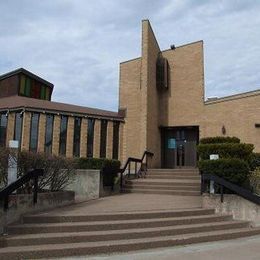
x,y
179,146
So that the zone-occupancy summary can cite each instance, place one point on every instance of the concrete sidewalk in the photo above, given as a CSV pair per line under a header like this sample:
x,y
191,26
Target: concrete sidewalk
x,y
238,249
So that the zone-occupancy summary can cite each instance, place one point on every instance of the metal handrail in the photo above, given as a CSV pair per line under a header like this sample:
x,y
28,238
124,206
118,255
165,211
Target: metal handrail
x,y
128,165
248,195
34,174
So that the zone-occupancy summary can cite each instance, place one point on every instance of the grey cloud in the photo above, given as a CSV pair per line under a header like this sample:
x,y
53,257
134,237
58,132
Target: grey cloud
x,y
78,44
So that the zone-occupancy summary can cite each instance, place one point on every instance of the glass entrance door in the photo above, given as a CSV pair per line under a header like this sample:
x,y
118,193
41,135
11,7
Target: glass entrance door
x,y
179,147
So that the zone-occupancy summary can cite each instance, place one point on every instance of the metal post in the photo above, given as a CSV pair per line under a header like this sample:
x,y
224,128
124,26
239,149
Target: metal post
x,y
129,169
121,181
6,200
35,190
222,193
202,185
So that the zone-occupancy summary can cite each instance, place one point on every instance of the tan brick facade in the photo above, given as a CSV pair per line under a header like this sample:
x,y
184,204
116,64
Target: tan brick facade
x,y
70,134
182,104
41,132
96,147
56,135
26,130
83,137
109,146
10,128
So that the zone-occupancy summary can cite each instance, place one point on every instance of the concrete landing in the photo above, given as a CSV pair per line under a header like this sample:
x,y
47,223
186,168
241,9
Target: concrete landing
x,y
129,202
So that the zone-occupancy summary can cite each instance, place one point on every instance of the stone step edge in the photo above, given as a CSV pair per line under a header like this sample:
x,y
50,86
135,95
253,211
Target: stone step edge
x,y
154,191
66,237
127,215
113,225
91,248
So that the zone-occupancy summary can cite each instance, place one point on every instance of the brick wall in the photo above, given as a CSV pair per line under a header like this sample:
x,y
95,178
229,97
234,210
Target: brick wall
x,y
70,135
109,147
83,137
96,142
41,132
10,128
26,131
56,135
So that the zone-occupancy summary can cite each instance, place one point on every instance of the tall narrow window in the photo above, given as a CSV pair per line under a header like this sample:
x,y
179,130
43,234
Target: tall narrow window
x,y
34,132
3,126
103,138
63,134
76,139
18,127
48,134
90,139
115,140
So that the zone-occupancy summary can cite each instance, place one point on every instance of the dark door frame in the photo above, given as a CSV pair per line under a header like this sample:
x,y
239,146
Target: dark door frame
x,y
165,128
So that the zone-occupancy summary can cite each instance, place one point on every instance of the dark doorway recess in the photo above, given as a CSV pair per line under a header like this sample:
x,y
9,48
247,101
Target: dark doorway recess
x,y
179,146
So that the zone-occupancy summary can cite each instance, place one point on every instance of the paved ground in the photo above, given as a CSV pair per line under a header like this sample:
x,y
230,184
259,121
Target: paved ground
x,y
238,249
129,202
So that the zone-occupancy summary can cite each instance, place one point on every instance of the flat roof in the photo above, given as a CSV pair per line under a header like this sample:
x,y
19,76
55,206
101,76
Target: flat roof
x,y
233,97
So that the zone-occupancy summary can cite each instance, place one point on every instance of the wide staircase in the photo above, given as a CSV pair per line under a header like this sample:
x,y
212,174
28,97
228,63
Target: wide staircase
x,y
71,232
183,181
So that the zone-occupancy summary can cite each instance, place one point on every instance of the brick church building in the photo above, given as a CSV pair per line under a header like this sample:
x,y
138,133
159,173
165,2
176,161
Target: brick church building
x,y
162,108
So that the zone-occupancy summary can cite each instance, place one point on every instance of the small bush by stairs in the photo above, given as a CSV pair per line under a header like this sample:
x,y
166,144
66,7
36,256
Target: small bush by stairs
x,y
183,181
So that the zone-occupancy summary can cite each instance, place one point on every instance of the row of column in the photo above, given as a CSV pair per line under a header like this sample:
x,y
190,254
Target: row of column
x,y
70,135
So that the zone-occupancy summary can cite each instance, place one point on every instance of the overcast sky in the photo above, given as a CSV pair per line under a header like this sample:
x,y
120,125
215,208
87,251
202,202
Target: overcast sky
x,y
78,44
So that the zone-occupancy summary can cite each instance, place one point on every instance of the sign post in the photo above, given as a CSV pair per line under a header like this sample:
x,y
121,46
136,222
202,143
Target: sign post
x,y
211,186
12,161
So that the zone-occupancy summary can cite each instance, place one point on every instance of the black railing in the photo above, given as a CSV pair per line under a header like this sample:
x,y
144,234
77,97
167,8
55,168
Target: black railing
x,y
32,175
127,165
248,195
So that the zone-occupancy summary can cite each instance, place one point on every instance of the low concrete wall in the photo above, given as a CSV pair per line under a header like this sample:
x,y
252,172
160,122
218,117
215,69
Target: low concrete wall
x,y
239,207
86,185
23,204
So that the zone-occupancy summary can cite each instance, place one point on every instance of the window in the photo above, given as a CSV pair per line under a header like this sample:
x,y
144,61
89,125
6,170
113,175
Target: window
x,y
34,132
162,73
63,134
18,127
48,134
103,139
3,126
32,88
115,140
90,138
76,139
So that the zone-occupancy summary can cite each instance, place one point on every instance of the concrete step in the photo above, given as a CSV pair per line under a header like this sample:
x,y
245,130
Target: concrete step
x,y
173,174
62,238
163,192
177,177
102,247
42,218
164,182
173,171
160,187
112,224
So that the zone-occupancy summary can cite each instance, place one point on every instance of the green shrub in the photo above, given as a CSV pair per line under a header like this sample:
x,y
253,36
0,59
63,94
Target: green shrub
x,y
219,139
109,168
225,150
254,161
233,170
